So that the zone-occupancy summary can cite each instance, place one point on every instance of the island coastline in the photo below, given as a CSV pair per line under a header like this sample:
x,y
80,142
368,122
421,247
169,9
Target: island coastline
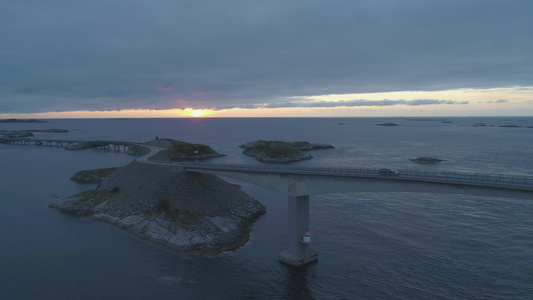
x,y
155,201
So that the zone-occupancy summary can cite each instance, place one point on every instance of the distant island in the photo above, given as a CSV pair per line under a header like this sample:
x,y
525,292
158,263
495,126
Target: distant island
x,y
21,121
280,151
427,160
515,126
7,135
430,120
186,211
388,124
503,126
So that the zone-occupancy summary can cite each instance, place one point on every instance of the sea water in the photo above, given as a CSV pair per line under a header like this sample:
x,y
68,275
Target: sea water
x,y
370,245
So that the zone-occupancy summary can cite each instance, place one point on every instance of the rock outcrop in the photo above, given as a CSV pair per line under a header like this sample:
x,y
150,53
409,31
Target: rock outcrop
x,y
138,150
185,211
92,176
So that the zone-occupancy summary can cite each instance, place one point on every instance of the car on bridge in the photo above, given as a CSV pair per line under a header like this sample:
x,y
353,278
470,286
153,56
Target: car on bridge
x,y
388,172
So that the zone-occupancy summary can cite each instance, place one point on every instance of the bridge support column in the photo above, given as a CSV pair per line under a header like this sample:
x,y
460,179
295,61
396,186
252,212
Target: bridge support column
x,y
298,252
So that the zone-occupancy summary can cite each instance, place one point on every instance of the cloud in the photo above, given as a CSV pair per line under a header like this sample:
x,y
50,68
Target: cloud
x,y
498,101
361,102
103,55
163,88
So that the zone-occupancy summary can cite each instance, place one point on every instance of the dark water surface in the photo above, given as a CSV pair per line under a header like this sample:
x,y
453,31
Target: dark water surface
x,y
371,245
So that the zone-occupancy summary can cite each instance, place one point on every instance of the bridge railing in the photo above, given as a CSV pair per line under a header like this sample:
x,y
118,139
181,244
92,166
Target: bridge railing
x,y
419,175
464,177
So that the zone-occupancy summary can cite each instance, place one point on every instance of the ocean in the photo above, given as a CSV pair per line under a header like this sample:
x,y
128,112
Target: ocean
x,y
370,245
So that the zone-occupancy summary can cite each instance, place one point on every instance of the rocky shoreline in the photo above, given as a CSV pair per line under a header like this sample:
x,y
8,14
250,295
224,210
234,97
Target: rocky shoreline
x,y
92,176
185,211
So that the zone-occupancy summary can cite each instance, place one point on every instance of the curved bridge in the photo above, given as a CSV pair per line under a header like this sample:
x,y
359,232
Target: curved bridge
x,y
300,183
322,180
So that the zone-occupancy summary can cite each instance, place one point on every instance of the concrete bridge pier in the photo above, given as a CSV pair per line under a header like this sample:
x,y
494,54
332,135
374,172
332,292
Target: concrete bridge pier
x,y
299,252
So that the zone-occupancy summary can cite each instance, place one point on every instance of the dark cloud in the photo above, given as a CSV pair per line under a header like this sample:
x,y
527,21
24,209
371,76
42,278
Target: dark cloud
x,y
61,55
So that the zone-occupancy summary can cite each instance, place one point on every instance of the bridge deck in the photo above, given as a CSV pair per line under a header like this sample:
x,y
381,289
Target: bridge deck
x,y
477,179
37,141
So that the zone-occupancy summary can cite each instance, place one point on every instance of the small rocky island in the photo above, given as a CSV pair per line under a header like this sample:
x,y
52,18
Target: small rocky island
x,y
427,160
6,135
182,151
22,121
388,124
186,211
280,151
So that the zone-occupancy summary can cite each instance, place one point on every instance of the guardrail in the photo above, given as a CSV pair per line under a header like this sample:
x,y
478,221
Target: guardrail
x,y
496,180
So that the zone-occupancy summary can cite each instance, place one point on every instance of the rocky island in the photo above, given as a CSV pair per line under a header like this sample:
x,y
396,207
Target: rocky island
x,y
182,151
388,124
427,160
22,121
157,202
7,135
280,151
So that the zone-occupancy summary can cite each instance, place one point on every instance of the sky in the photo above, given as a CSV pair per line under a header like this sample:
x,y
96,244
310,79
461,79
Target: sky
x,y
244,58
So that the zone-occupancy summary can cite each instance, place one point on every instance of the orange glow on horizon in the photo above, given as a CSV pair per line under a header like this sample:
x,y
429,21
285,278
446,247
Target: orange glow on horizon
x,y
481,102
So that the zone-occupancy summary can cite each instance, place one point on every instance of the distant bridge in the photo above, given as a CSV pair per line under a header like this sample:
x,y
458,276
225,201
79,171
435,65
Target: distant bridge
x,y
70,144
301,182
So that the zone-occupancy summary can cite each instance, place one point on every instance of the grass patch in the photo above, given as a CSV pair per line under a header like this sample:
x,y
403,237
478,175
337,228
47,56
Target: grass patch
x,y
163,204
277,152
188,149
184,217
102,173
263,143
162,155
276,144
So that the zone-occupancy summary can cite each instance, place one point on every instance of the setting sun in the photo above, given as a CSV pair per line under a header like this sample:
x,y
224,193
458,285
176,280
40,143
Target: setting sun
x,y
195,112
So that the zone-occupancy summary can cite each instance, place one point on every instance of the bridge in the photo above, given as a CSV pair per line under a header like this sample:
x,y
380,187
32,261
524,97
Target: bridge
x,y
302,182
299,183
70,144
